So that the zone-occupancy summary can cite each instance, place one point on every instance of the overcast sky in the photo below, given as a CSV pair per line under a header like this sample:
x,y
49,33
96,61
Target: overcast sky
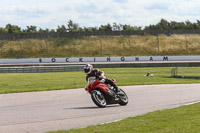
x,y
53,13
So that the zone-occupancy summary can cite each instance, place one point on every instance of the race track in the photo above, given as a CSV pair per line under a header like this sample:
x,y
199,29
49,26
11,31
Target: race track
x,y
39,112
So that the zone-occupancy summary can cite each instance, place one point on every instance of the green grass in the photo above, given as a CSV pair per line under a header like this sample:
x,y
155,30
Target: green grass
x,y
26,82
185,119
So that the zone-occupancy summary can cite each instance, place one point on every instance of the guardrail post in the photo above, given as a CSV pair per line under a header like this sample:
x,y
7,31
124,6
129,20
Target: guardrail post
x,y
74,49
20,54
101,46
186,45
47,48
158,44
129,41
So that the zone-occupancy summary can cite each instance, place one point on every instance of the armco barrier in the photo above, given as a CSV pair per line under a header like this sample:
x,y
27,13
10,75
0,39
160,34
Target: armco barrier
x,y
149,64
41,69
125,59
67,66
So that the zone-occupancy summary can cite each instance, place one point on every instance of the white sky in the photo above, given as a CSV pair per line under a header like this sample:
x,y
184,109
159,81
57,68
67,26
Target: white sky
x,y
53,13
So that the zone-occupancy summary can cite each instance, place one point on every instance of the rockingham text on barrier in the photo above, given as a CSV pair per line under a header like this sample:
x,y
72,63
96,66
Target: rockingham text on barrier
x,y
101,59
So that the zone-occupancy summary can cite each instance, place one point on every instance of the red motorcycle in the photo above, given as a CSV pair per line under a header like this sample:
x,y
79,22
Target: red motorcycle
x,y
103,94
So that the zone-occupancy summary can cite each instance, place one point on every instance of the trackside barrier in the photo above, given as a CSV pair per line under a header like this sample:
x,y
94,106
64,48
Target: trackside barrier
x,y
41,69
174,72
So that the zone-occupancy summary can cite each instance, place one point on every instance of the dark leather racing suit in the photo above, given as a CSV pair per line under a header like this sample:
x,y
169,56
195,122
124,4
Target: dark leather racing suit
x,y
100,75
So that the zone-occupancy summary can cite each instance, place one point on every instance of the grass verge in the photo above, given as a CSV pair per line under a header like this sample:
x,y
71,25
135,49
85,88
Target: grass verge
x,y
185,119
95,46
26,82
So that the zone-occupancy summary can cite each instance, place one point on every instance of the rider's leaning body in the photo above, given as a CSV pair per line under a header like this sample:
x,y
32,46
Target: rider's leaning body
x,y
90,72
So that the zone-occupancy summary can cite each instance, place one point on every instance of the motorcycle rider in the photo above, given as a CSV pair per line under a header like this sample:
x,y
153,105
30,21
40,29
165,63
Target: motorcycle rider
x,y
90,72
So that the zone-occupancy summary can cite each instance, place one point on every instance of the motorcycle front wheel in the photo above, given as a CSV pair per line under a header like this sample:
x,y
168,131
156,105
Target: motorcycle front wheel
x,y
98,98
123,98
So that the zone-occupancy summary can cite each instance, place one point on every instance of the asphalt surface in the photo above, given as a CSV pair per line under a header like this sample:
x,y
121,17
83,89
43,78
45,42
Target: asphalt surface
x,y
39,112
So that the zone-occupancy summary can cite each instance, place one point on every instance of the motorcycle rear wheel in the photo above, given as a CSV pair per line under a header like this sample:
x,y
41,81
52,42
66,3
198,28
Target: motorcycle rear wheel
x,y
98,98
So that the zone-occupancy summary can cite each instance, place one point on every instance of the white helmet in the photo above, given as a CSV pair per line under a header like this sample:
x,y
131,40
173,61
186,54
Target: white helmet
x,y
88,68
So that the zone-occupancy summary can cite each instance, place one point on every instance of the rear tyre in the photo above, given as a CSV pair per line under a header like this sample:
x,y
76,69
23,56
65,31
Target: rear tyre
x,y
123,98
98,98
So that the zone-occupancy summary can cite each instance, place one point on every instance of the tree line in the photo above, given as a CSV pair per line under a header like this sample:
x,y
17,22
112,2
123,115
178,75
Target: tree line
x,y
74,27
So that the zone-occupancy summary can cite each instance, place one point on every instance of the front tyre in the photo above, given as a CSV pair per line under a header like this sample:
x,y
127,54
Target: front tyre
x,y
123,98
98,98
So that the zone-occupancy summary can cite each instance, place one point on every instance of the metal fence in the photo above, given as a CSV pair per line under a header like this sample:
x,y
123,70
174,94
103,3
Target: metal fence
x,y
185,74
174,72
41,69
18,36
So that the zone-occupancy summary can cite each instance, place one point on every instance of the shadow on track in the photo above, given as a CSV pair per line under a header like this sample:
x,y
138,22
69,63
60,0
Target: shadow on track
x,y
93,107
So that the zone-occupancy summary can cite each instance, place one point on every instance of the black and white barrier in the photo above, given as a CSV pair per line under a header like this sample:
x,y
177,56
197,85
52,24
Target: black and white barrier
x,y
101,59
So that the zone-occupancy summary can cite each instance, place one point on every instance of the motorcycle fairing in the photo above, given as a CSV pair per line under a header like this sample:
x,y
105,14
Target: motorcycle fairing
x,y
95,84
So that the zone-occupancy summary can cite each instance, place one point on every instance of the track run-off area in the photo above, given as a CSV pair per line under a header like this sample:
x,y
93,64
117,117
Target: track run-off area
x,y
39,112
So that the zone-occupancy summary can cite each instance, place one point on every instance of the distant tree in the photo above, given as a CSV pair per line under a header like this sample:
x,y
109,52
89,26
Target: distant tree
x,y
107,27
195,26
189,25
12,29
61,29
75,27
81,29
2,30
72,27
163,24
198,23
151,27
30,29
117,27
43,30
131,28
94,29
177,25
90,29
52,30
